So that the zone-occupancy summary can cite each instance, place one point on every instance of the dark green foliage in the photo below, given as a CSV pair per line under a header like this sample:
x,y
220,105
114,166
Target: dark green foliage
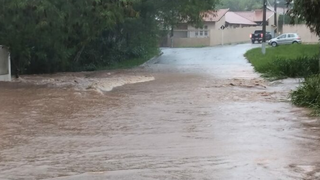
x,y
70,35
48,36
241,5
285,61
308,94
298,67
307,11
284,19
292,61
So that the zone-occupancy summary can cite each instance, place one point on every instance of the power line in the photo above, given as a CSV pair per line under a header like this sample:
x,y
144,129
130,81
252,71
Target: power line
x,y
269,3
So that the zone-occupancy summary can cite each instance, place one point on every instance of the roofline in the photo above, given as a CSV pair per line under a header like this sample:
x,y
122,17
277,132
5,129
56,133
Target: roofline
x,y
255,24
270,16
253,11
248,23
221,16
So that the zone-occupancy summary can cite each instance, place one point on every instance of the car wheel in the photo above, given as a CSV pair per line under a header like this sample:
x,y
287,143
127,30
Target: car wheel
x,y
274,44
252,41
295,42
259,42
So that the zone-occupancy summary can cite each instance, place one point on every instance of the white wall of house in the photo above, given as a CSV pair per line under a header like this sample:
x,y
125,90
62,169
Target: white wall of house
x,y
221,22
200,32
207,27
5,69
192,32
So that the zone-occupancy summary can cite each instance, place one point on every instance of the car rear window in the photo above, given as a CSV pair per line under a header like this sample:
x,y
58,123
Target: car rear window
x,y
256,32
291,35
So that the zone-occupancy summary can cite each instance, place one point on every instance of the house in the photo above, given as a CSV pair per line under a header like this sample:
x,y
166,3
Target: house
x,y
220,27
234,20
257,16
211,20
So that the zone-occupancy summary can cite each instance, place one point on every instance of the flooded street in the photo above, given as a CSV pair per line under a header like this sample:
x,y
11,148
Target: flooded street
x,y
195,113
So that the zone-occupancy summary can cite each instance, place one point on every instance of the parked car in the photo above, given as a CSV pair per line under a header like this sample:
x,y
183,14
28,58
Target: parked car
x,y
288,38
258,35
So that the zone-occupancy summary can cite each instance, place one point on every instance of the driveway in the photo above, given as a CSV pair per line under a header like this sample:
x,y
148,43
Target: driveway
x,y
201,113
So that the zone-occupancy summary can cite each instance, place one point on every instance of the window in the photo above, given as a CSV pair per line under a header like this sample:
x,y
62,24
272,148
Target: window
x,y
282,36
291,36
206,30
202,31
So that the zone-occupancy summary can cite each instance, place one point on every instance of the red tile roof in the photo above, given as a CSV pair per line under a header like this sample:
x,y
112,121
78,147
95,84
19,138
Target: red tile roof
x,y
214,16
233,18
255,16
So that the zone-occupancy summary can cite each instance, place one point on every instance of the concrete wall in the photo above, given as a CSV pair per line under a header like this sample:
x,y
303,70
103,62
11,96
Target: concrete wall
x,y
5,69
213,35
232,35
303,31
191,42
216,36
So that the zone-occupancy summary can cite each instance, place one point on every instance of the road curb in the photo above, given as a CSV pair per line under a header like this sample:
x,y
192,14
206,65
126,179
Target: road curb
x,y
153,60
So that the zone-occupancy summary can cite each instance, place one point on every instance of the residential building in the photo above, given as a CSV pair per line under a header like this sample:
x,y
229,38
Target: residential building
x,y
233,20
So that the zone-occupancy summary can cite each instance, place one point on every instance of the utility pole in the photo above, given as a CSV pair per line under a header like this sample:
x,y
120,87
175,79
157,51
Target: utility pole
x,y
275,17
264,24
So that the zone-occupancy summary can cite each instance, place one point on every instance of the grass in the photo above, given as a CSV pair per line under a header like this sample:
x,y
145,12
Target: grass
x,y
292,61
285,61
308,94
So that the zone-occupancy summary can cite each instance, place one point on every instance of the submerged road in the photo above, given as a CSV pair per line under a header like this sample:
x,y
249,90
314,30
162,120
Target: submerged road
x,y
206,115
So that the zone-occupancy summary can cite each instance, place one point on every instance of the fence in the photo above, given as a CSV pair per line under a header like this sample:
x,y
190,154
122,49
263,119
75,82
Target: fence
x,y
191,42
214,37
303,31
231,36
5,69
190,38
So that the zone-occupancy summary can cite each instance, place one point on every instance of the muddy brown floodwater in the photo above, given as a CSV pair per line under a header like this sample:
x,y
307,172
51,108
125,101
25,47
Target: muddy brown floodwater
x,y
196,114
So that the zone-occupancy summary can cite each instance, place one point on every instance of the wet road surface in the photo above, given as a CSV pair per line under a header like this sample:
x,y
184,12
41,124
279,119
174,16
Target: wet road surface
x,y
197,113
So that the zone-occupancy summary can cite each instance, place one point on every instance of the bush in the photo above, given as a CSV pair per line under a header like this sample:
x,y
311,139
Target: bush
x,y
285,61
308,94
299,67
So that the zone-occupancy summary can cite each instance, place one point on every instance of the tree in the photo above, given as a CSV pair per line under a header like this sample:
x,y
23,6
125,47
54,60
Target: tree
x,y
47,36
307,11
66,35
241,5
169,13
280,3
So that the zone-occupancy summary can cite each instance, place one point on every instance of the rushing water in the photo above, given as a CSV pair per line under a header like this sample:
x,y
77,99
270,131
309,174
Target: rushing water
x,y
196,114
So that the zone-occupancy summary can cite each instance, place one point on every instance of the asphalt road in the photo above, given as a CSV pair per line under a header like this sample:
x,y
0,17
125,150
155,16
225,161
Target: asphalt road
x,y
204,114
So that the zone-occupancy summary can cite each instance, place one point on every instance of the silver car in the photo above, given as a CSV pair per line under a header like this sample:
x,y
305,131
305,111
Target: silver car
x,y
288,38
